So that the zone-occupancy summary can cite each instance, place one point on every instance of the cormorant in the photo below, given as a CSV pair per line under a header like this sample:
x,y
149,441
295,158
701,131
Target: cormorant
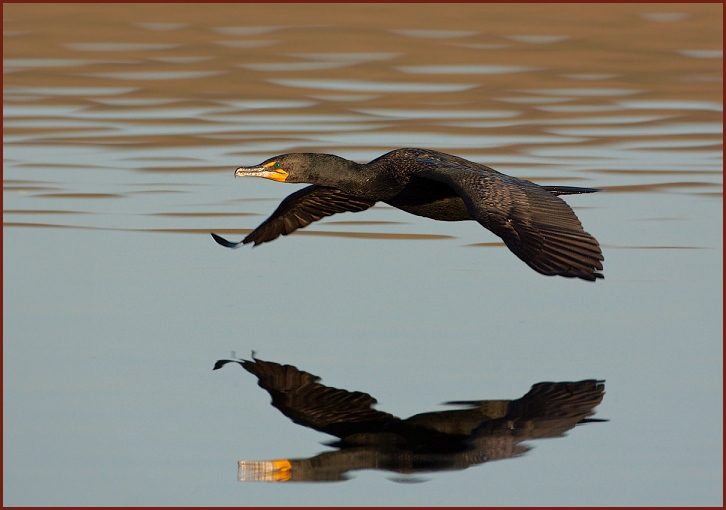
x,y
536,225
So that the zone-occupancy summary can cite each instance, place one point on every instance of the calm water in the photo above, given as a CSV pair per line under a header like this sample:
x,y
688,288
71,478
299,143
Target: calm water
x,y
122,125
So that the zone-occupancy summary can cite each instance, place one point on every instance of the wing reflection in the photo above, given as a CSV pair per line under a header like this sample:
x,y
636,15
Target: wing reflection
x,y
482,431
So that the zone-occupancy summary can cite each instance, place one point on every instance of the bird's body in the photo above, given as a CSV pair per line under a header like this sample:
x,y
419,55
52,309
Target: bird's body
x,y
536,225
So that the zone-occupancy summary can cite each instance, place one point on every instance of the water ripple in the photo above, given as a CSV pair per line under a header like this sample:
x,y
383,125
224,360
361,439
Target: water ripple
x,y
466,69
296,66
439,114
345,57
119,46
435,34
373,86
537,39
673,129
156,75
586,92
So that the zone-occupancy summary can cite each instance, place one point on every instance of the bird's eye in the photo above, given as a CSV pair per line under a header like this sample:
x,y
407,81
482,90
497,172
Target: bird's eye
x,y
277,165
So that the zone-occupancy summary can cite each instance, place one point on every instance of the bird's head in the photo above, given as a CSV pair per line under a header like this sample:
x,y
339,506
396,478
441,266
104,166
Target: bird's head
x,y
311,168
283,168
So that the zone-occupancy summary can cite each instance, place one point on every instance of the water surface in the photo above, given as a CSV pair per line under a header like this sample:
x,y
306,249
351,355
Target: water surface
x,y
122,125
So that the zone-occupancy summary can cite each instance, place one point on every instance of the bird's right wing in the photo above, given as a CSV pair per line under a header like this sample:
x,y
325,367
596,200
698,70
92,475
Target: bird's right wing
x,y
537,226
299,210
300,397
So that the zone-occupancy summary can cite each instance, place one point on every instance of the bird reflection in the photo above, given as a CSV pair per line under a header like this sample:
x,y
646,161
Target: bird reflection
x,y
481,431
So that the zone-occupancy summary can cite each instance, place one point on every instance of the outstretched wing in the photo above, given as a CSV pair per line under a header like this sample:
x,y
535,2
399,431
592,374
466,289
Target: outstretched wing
x,y
576,400
299,210
550,409
300,397
535,224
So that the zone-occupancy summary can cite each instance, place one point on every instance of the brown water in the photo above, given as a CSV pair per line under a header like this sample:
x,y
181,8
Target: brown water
x,y
124,122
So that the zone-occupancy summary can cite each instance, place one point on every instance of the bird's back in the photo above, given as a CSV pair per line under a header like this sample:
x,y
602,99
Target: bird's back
x,y
536,225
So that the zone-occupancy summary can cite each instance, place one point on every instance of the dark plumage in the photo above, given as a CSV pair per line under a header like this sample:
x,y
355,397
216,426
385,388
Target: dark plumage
x,y
484,430
536,225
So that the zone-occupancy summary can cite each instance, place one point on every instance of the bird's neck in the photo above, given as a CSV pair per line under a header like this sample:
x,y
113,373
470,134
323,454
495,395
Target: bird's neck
x,y
337,172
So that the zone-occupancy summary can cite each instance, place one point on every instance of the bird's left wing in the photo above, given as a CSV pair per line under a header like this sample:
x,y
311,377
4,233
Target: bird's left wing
x,y
299,210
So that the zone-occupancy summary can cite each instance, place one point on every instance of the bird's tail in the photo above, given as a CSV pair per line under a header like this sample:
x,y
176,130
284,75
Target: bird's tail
x,y
569,190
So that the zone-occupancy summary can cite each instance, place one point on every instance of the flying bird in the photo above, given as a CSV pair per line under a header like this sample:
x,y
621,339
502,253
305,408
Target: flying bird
x,y
535,224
